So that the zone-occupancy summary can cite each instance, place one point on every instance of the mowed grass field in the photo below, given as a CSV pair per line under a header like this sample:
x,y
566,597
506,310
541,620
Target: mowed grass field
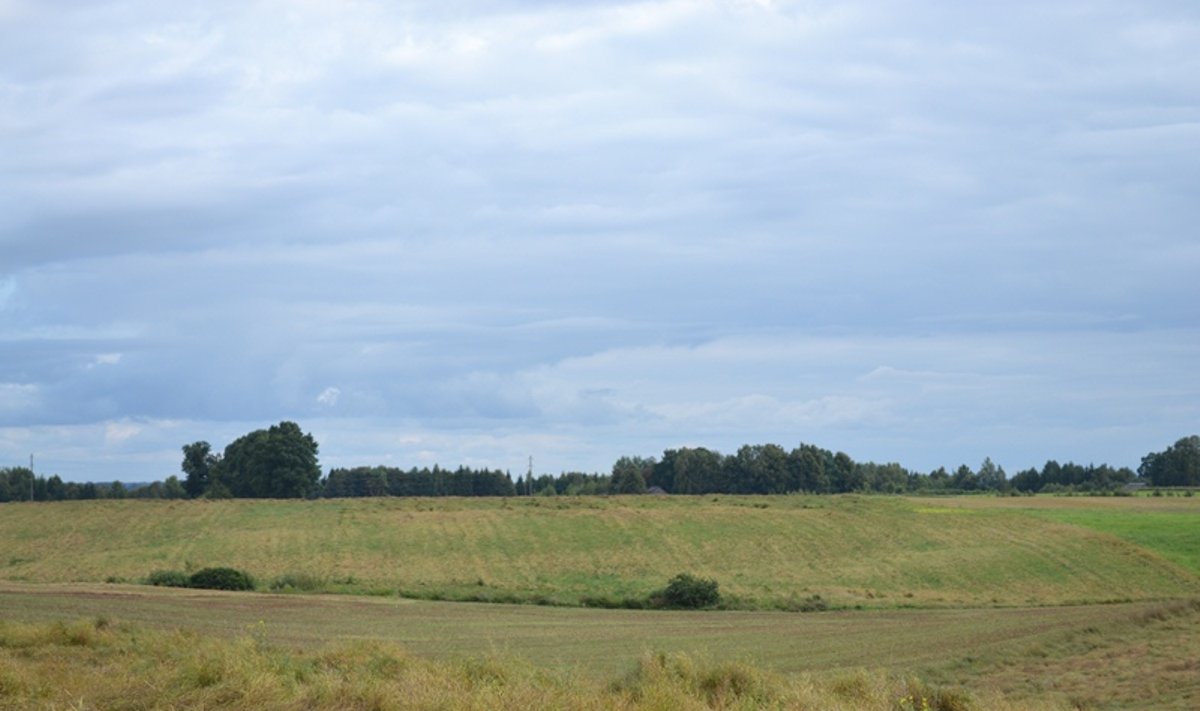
x,y
132,647
603,642
1018,602
765,552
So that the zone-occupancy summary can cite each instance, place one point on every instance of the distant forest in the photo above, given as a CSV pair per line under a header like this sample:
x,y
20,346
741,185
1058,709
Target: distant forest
x,y
282,463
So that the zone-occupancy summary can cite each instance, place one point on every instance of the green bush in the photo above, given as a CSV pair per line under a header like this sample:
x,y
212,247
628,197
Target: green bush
x,y
687,592
221,579
169,578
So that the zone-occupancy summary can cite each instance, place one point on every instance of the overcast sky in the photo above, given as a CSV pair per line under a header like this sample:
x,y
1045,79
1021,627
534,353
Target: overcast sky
x,y
473,232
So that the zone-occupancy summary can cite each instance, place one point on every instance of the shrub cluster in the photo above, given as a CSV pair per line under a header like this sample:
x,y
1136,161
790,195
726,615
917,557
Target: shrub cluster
x,y
168,578
221,579
687,592
206,578
683,592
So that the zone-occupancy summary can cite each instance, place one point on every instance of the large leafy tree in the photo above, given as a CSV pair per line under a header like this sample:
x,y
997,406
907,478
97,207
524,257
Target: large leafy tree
x,y
843,474
629,474
663,473
964,479
806,465
21,484
697,471
199,465
990,476
1178,465
760,469
277,463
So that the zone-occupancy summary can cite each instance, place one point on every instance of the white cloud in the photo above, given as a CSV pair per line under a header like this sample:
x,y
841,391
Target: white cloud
x,y
104,359
329,396
121,431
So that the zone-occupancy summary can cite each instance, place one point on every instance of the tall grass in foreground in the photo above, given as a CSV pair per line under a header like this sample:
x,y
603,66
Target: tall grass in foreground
x,y
102,665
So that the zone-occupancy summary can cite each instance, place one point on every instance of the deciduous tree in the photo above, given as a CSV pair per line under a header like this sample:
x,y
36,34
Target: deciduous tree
x,y
198,464
276,463
1178,465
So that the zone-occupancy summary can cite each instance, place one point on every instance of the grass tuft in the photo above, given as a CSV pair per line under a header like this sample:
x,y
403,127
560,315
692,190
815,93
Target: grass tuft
x,y
300,582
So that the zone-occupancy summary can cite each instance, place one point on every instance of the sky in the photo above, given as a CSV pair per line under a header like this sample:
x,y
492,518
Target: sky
x,y
475,232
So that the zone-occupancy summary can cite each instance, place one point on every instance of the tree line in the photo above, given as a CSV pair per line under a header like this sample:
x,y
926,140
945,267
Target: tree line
x,y
1178,465
281,462
278,462
770,469
20,484
391,481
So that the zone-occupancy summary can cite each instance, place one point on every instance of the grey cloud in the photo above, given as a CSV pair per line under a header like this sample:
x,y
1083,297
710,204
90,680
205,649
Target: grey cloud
x,y
598,229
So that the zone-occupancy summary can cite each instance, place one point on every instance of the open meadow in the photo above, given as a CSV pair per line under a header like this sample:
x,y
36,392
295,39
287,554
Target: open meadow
x,y
765,552
1012,602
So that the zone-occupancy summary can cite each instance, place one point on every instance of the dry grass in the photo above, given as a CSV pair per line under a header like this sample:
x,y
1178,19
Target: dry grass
x,y
1150,660
101,665
1138,655
604,641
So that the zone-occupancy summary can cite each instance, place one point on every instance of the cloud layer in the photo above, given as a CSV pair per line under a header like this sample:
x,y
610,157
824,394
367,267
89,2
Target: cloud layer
x,y
471,232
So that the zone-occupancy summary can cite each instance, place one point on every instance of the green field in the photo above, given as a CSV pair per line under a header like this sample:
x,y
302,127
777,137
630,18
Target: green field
x,y
1067,602
766,552
1171,534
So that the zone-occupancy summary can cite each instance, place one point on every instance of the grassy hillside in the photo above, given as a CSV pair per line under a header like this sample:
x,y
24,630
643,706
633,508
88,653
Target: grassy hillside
x,y
1169,527
765,552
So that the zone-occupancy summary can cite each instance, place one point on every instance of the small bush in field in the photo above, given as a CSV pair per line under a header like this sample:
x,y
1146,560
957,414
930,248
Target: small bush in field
x,y
169,578
687,592
221,579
